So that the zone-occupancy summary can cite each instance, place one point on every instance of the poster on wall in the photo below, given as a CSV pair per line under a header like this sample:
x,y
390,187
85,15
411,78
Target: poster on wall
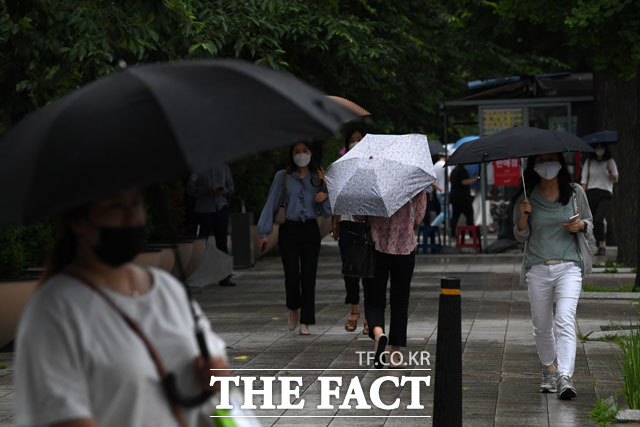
x,y
505,172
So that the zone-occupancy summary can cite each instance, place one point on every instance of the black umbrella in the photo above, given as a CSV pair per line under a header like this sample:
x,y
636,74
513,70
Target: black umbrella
x,y
436,148
151,123
148,124
514,143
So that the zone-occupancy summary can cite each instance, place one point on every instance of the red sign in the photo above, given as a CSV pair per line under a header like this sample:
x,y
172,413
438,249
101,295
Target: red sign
x,y
506,172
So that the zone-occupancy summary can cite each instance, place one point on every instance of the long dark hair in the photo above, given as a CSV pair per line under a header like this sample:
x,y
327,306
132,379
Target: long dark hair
x,y
531,179
63,250
606,156
313,168
349,131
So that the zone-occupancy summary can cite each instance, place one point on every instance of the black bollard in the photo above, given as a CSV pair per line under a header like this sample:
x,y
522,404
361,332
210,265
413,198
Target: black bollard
x,y
447,401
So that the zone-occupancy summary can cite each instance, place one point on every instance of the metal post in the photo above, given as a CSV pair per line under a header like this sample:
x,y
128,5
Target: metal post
x,y
447,403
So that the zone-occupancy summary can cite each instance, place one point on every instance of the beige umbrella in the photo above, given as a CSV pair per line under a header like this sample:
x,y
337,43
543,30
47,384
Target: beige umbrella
x,y
350,105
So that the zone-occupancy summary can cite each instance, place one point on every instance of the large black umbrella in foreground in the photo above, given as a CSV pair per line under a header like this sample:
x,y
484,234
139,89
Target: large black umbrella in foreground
x,y
514,143
147,124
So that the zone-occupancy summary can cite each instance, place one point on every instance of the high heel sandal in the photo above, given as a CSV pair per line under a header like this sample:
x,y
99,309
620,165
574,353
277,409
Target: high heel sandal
x,y
351,324
365,329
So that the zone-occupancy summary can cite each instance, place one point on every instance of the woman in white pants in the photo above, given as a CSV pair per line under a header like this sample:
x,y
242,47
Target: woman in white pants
x,y
552,219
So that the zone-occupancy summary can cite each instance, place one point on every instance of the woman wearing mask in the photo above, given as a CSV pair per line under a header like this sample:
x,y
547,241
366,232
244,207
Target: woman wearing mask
x,y
553,220
395,243
81,355
599,174
299,237
344,229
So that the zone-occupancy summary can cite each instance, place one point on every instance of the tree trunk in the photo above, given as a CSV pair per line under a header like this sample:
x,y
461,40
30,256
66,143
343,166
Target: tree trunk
x,y
618,108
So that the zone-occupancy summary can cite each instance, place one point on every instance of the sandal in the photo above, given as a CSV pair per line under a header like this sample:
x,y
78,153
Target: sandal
x,y
352,324
365,329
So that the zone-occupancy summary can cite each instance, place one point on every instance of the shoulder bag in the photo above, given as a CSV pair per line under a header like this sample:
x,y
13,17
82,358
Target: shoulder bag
x,y
361,259
280,215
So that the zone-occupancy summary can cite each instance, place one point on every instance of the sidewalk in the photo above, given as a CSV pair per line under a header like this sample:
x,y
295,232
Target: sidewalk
x,y
501,372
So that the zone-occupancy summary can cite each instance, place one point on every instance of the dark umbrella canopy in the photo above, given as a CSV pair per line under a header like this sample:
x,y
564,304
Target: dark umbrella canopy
x,y
436,148
516,142
151,123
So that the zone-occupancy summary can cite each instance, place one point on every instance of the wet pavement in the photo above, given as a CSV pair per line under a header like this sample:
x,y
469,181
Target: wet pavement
x,y
501,372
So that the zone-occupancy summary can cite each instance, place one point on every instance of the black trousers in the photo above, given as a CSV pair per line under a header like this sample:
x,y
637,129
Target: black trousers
x,y
400,269
216,223
599,202
345,243
461,207
299,244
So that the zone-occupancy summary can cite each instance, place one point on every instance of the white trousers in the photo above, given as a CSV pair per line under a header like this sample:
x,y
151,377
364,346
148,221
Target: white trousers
x,y
564,282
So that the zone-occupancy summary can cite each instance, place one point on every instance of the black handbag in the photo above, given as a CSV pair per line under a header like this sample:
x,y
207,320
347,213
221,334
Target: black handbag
x,y
361,259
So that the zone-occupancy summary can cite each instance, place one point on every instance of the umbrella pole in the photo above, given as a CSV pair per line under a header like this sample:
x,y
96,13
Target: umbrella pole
x,y
483,198
524,187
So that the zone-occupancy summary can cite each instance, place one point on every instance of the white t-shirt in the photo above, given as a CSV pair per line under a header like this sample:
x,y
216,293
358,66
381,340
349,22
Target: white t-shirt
x,y
598,174
77,358
438,167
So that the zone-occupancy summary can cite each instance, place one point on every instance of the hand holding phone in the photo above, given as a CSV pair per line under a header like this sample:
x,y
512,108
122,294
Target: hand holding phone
x,y
573,218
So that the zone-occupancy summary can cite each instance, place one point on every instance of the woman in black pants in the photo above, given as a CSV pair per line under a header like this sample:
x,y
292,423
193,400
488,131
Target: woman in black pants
x,y
299,237
395,244
599,174
344,229
461,200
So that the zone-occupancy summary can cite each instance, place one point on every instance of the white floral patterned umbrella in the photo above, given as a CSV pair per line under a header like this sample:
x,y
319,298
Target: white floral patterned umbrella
x,y
379,175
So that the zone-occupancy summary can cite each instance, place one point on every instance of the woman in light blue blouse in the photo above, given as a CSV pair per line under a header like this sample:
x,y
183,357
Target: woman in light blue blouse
x,y
299,237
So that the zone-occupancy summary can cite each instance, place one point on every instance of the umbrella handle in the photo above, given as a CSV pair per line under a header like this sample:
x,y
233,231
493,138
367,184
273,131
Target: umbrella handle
x,y
171,387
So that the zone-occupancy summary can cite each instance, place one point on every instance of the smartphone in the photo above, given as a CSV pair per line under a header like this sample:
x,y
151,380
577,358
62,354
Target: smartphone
x,y
573,218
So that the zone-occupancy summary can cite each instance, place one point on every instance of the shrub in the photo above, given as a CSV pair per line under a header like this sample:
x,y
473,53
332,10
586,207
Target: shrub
x,y
37,240
12,255
603,412
629,365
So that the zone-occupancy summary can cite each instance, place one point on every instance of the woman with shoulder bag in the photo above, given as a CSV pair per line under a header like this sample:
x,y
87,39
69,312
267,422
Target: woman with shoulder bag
x,y
345,230
98,342
599,174
304,199
395,243
553,222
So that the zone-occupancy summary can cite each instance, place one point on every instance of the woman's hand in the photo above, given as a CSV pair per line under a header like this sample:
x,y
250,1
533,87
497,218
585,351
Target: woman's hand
x,y
204,372
525,208
574,226
321,174
262,244
320,197
525,211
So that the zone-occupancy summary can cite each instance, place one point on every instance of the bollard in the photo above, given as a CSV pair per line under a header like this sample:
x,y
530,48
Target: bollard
x,y
447,401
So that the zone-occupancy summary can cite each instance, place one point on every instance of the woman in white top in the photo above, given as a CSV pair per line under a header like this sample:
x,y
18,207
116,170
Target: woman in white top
x,y
81,355
599,174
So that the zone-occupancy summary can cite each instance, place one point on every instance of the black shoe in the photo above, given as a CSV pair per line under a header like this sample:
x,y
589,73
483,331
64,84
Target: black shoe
x,y
226,282
601,252
381,343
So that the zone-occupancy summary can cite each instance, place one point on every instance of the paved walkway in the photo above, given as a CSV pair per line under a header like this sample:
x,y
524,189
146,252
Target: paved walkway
x,y
501,372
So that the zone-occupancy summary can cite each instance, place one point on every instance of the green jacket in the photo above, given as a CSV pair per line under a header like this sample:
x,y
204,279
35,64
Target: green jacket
x,y
580,202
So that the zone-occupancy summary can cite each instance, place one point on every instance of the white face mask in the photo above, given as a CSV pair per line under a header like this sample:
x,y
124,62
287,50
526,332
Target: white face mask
x,y
353,144
302,159
548,170
600,151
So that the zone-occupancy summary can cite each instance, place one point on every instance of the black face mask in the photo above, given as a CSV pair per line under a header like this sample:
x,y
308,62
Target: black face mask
x,y
119,245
